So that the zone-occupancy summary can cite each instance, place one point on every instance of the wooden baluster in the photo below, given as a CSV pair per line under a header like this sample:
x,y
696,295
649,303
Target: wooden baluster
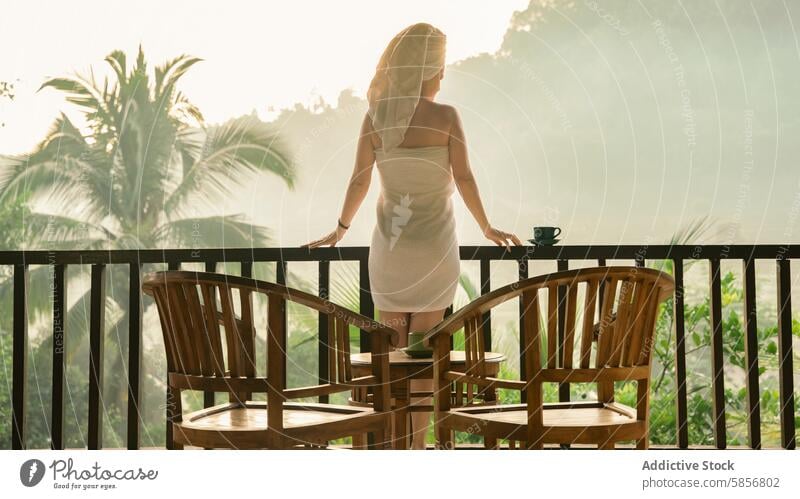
x,y
751,354
785,361
365,305
323,273
486,319
59,294
97,328
19,370
135,312
681,398
717,370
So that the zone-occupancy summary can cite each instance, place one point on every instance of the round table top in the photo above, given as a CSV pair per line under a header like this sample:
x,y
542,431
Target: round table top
x,y
398,358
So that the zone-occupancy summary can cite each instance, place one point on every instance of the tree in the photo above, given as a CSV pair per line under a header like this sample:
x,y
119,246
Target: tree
x,y
131,180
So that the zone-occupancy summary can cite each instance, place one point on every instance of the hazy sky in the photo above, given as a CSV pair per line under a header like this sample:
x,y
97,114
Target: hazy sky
x,y
621,125
256,54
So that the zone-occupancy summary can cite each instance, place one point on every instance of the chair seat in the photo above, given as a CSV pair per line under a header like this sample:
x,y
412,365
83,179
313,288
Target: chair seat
x,y
237,426
577,422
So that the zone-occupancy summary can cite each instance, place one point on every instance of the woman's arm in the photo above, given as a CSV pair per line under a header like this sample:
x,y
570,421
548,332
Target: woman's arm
x,y
468,187
356,189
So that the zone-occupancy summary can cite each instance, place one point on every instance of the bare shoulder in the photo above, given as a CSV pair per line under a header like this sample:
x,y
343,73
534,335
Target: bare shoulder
x,y
368,131
452,119
450,113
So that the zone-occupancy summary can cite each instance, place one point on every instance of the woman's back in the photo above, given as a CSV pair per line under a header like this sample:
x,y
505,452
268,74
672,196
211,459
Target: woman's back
x,y
429,126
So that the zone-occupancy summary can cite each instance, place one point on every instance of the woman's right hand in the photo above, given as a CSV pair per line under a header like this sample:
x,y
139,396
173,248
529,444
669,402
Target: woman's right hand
x,y
501,238
328,240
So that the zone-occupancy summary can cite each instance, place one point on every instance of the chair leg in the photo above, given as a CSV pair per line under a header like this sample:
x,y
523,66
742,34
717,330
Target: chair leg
x,y
359,441
643,443
489,442
606,445
380,438
537,445
444,438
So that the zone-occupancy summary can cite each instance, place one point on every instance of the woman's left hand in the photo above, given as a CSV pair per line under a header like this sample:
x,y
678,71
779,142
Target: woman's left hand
x,y
501,238
329,240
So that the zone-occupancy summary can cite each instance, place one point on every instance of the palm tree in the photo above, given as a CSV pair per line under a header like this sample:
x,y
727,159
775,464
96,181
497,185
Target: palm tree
x,y
132,179
148,159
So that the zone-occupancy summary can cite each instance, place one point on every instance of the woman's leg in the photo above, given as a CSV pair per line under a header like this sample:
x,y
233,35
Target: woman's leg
x,y
422,321
399,321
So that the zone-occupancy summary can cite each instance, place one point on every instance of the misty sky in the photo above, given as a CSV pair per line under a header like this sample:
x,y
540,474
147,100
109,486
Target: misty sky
x,y
620,121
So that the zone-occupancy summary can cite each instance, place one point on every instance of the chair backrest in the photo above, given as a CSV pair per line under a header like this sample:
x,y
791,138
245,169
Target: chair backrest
x,y
619,303
560,313
208,323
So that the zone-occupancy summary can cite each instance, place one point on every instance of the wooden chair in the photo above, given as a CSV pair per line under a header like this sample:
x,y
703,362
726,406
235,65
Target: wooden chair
x,y
210,339
627,300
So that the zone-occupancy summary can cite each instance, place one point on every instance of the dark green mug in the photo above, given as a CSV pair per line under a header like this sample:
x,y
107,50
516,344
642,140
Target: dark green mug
x,y
546,233
415,341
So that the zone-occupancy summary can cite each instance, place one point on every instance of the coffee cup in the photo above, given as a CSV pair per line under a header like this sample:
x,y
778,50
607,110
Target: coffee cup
x,y
545,234
415,341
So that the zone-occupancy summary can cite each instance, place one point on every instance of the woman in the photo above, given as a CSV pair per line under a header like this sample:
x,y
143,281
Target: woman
x,y
421,156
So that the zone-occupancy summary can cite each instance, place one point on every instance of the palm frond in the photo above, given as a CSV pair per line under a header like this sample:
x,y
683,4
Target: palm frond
x,y
83,93
168,74
59,232
690,233
231,231
229,155
118,62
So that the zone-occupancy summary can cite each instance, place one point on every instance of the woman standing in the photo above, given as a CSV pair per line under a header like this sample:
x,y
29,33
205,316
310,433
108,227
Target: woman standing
x,y
421,155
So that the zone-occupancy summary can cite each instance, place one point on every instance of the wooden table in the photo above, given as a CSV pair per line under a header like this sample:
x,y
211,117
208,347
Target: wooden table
x,y
402,369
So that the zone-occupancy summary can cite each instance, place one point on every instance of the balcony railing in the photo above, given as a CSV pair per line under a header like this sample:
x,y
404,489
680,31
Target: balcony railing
x,y
562,255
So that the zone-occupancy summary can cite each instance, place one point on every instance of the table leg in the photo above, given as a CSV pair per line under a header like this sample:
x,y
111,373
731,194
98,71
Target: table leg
x,y
401,414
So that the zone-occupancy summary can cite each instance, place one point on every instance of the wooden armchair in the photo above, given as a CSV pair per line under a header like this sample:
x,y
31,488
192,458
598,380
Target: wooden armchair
x,y
210,339
626,299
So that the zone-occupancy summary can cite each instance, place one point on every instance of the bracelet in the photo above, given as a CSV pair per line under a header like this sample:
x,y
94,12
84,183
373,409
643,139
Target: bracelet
x,y
345,227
